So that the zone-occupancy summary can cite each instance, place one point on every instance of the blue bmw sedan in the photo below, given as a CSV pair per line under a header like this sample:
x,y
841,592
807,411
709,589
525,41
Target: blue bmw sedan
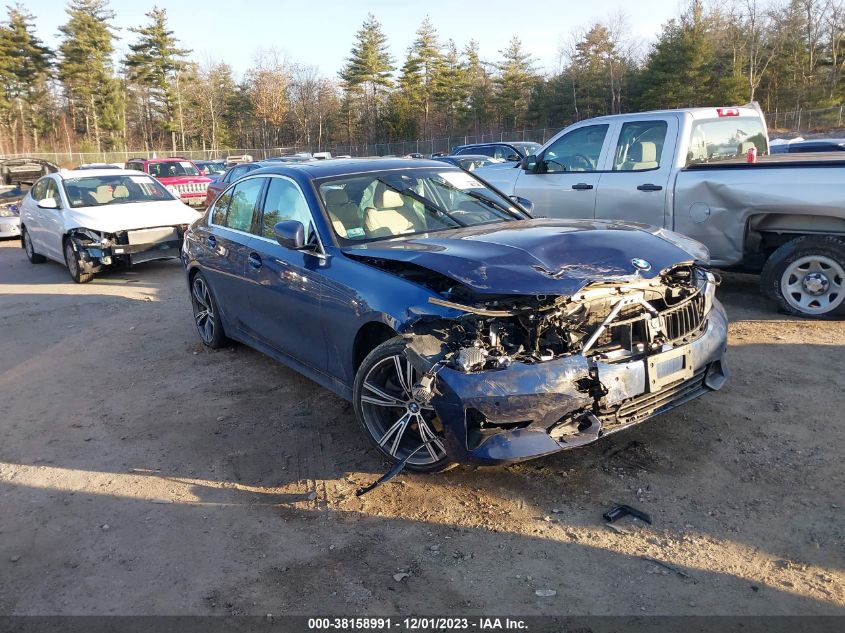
x,y
461,329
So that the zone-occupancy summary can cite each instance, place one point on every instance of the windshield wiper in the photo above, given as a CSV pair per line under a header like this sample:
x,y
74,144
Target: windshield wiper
x,y
428,204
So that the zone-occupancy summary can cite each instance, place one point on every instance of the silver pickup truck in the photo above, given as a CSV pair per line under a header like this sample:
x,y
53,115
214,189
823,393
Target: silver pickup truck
x,y
687,171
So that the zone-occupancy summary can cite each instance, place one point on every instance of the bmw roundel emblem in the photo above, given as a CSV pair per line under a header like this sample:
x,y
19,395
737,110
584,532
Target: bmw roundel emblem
x,y
641,264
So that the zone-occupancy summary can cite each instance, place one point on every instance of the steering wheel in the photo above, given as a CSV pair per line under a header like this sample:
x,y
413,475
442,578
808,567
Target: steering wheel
x,y
585,163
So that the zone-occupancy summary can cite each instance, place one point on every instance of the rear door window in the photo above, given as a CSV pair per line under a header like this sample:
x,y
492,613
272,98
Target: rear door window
x,y
640,146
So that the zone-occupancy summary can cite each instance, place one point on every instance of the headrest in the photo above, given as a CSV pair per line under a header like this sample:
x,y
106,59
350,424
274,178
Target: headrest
x,y
336,197
120,192
385,198
643,152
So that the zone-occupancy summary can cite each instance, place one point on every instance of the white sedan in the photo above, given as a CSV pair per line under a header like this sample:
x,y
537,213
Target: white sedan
x,y
90,220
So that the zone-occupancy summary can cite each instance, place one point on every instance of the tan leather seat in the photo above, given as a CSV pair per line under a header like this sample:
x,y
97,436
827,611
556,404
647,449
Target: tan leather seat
x,y
642,155
343,213
389,215
120,192
104,194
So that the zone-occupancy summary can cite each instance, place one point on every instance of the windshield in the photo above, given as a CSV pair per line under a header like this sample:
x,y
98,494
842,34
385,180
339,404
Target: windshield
x,y
381,205
173,168
726,138
98,191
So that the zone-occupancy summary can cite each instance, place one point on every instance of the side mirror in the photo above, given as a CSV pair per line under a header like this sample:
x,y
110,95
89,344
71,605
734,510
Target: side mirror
x,y
291,234
524,203
529,163
48,203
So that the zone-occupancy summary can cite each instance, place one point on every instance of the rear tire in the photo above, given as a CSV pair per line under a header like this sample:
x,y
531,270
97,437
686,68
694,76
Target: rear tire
x,y
29,248
806,277
74,266
206,314
395,423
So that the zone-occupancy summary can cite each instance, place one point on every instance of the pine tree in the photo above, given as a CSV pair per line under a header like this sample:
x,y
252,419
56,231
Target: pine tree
x,y
420,72
514,83
25,65
451,89
154,66
368,71
86,72
481,89
679,70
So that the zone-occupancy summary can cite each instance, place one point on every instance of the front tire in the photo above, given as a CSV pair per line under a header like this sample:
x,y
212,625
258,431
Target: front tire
x,y
206,314
74,265
395,422
29,248
806,276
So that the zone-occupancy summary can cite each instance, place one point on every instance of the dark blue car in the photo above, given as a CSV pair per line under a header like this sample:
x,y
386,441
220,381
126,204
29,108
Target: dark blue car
x,y
461,329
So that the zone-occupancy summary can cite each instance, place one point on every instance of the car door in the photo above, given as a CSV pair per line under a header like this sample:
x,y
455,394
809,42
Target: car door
x,y
31,213
285,286
52,221
565,178
636,183
224,247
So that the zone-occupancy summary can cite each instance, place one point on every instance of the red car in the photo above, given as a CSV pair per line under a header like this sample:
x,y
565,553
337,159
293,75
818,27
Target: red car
x,y
180,175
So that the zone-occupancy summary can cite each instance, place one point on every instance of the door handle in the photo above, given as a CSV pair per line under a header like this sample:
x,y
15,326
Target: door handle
x,y
255,260
582,186
650,187
211,241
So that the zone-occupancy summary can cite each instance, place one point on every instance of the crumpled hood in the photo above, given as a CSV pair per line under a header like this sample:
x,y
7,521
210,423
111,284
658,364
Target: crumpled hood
x,y
530,257
111,218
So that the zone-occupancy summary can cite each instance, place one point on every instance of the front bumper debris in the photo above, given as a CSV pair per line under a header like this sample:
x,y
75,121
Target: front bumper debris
x,y
525,410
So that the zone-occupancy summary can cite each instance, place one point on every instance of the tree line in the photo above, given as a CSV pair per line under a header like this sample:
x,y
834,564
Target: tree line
x,y
785,54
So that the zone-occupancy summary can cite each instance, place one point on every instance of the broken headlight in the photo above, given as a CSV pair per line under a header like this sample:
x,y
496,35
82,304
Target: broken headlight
x,y
706,283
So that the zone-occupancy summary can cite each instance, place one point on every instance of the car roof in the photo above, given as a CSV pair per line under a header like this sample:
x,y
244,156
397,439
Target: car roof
x,y
349,166
467,156
91,173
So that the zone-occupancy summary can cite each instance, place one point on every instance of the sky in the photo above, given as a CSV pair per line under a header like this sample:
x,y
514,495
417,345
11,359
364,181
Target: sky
x,y
321,32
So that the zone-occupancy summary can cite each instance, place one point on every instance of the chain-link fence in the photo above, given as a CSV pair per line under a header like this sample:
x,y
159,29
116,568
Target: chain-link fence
x,y
438,145
812,121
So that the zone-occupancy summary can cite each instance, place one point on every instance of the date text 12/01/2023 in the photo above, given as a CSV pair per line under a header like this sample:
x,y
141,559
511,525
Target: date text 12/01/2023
x,y
416,624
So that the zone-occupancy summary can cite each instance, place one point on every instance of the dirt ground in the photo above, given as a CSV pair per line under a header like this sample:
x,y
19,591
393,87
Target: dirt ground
x,y
143,474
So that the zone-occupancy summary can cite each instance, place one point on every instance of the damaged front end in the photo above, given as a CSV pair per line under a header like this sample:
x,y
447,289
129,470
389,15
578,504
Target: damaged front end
x,y
517,377
97,250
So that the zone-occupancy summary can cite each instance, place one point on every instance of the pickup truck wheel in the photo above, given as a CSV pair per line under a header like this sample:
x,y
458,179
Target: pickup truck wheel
x,y
29,248
74,266
395,422
806,276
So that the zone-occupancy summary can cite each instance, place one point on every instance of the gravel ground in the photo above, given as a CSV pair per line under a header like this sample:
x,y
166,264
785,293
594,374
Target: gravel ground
x,y
143,474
